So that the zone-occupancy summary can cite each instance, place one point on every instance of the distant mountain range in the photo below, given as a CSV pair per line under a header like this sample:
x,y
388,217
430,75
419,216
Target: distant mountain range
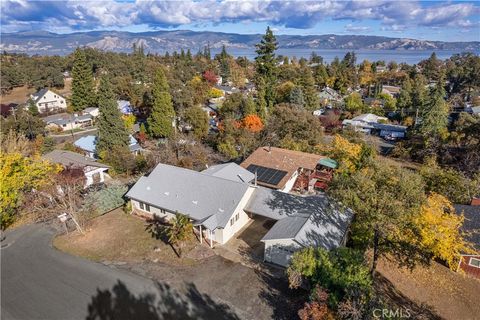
x,y
42,42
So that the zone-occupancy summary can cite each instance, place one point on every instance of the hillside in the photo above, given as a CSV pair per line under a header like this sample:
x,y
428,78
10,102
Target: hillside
x,y
42,42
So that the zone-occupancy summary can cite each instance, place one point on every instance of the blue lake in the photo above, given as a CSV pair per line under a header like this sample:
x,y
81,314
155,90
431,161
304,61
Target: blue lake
x,y
399,56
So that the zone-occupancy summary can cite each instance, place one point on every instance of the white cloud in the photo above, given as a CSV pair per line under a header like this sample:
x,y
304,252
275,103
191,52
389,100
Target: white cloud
x,y
83,15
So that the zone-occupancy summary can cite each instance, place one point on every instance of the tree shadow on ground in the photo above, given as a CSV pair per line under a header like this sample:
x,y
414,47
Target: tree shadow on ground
x,y
121,304
157,228
395,298
285,302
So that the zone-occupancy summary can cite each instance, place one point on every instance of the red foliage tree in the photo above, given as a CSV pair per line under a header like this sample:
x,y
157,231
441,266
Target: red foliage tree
x,y
210,77
331,120
252,123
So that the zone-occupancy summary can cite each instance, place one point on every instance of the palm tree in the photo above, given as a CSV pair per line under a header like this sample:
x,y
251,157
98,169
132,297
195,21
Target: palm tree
x,y
181,230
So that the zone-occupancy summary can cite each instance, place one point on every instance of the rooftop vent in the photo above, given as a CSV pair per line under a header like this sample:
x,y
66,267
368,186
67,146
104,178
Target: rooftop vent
x,y
220,209
166,193
148,188
194,201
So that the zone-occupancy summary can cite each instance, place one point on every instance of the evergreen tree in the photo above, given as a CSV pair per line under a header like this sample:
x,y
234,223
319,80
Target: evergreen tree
x,y
112,134
435,113
224,65
404,101
206,52
266,65
419,93
138,71
261,101
32,107
83,93
296,97
310,95
161,119
248,106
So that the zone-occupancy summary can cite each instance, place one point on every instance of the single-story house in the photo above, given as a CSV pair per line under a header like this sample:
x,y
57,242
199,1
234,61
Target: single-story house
x,y
48,101
390,130
392,91
220,204
89,143
470,263
227,90
329,96
65,121
93,170
363,122
124,107
94,112
278,168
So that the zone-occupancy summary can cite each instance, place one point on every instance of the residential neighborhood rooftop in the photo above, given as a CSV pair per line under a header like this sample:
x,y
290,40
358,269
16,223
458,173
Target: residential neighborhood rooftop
x,y
230,171
72,159
281,159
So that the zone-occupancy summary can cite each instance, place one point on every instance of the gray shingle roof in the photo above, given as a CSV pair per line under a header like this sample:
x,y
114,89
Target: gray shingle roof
x,y
72,159
193,193
310,221
471,223
39,94
230,171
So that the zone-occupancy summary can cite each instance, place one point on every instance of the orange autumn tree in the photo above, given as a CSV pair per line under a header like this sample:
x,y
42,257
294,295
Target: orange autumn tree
x,y
440,230
252,123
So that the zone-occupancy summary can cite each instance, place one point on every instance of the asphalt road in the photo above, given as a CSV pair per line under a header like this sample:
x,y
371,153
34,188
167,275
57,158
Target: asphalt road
x,y
40,282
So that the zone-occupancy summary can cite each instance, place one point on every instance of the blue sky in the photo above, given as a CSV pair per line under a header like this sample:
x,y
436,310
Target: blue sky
x,y
431,20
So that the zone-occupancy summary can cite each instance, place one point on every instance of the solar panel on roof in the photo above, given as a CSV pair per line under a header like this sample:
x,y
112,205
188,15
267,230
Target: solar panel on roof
x,y
267,175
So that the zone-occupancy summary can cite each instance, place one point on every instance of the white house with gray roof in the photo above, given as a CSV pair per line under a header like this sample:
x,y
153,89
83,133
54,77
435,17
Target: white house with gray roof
x,y
48,101
221,200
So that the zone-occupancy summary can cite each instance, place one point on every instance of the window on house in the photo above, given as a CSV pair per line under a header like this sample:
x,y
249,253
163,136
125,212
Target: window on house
x,y
237,216
232,221
162,210
64,125
141,205
147,207
474,262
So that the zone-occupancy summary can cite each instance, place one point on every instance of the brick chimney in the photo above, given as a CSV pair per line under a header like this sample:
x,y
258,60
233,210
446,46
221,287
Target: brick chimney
x,y
475,202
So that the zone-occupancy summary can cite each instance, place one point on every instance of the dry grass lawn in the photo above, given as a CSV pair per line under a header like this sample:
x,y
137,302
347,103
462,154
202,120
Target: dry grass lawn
x,y
117,236
21,94
433,292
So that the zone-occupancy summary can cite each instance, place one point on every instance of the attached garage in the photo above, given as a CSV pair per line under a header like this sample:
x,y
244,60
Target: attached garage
x,y
302,222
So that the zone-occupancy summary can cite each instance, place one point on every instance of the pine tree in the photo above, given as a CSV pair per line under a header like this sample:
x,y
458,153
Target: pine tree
x,y
83,93
112,134
261,102
224,65
310,94
138,72
296,97
160,121
266,65
404,101
435,113
248,106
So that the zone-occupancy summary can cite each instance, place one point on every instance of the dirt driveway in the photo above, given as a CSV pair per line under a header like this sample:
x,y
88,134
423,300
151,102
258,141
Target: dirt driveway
x,y
120,240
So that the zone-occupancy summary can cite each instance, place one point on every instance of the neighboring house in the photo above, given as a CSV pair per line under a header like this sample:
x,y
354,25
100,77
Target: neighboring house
x,y
363,123
476,110
389,130
227,90
380,69
392,91
470,263
94,112
124,107
329,96
89,143
278,168
48,101
65,121
221,204
94,171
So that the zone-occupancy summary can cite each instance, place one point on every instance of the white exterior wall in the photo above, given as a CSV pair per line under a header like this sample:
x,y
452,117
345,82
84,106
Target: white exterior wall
x,y
223,235
89,173
153,210
289,184
51,101
280,251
